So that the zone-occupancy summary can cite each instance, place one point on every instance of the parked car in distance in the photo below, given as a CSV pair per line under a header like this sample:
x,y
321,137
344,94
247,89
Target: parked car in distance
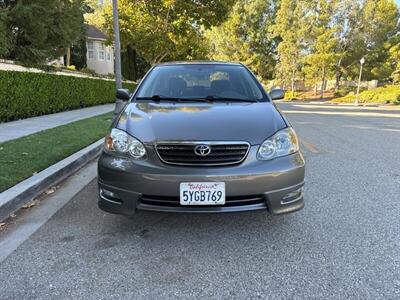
x,y
200,137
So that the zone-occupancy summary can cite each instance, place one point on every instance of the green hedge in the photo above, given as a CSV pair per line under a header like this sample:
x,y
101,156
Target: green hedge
x,y
24,94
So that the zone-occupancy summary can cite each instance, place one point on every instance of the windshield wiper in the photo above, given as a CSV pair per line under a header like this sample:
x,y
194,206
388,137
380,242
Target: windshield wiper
x,y
158,98
210,98
219,98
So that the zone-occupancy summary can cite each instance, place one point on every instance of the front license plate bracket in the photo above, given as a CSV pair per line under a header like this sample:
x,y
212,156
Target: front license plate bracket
x,y
202,193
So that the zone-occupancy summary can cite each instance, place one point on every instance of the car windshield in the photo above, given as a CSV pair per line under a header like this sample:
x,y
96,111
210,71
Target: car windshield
x,y
200,81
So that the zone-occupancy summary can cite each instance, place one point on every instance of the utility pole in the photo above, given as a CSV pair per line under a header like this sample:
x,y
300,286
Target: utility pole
x,y
362,61
117,53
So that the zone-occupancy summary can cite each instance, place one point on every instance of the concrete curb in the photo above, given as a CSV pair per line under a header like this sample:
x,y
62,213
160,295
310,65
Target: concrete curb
x,y
17,196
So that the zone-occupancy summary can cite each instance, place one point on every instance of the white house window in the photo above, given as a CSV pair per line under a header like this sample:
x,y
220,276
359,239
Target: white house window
x,y
102,51
90,48
109,53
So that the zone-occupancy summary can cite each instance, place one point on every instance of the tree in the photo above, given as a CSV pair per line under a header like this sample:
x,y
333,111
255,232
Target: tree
x,y
133,65
394,58
322,41
365,29
160,29
349,47
246,36
78,53
4,41
95,13
42,30
291,30
380,25
322,60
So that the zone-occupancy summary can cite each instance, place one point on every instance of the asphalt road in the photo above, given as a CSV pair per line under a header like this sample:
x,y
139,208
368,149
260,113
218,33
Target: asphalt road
x,y
344,244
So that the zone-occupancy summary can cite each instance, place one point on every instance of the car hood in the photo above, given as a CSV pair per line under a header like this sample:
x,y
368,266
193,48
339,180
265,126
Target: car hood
x,y
220,121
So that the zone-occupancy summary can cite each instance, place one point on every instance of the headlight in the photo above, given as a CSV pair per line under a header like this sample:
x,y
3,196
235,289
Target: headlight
x,y
282,143
121,142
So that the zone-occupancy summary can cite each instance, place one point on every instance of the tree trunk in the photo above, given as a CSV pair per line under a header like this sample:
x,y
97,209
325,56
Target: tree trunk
x,y
338,75
158,58
68,62
293,79
135,65
316,88
323,82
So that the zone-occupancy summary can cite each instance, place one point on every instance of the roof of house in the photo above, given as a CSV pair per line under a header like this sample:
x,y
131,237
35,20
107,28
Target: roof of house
x,y
94,33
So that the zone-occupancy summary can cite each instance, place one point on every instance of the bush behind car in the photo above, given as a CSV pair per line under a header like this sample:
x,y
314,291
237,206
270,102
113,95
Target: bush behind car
x,y
26,94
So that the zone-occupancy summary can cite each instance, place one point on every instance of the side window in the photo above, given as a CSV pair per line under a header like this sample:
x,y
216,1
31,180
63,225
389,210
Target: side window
x,y
90,50
101,48
108,49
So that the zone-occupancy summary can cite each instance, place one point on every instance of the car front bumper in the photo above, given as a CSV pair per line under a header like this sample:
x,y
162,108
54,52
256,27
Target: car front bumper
x,y
126,185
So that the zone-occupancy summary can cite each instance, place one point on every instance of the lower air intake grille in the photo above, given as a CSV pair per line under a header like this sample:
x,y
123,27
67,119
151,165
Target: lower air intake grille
x,y
174,201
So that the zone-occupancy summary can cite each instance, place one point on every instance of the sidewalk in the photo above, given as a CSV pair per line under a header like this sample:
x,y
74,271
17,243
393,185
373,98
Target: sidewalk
x,y
16,129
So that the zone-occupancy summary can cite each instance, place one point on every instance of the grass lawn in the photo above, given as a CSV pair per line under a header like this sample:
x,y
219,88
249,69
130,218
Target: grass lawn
x,y
21,158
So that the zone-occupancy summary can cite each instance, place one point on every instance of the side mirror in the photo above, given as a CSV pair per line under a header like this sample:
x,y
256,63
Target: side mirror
x,y
123,94
277,94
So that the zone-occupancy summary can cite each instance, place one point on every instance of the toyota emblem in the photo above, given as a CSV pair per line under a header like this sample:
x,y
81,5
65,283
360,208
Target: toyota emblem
x,y
202,150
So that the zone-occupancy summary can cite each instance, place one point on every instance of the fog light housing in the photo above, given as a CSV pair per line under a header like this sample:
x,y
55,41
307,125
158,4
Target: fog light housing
x,y
110,196
292,196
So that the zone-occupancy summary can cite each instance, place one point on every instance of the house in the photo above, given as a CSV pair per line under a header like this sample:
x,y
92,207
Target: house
x,y
100,56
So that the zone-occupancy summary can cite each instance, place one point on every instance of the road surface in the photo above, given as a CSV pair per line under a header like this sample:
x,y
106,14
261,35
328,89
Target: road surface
x,y
344,244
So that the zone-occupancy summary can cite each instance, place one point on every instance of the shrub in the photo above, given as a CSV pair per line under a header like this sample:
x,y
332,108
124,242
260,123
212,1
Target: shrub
x,y
88,71
343,91
289,95
381,95
24,94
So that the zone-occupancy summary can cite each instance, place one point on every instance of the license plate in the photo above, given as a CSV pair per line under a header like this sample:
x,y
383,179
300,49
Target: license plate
x,y
202,193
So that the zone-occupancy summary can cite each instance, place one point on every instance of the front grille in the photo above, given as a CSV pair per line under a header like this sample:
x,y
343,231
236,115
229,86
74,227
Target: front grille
x,y
230,201
220,154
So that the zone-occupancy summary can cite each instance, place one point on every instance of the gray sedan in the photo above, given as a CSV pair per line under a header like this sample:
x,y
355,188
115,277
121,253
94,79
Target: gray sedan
x,y
200,137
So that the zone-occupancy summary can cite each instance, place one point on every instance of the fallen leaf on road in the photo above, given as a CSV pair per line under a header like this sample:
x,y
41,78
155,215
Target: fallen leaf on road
x,y
2,224
51,190
30,204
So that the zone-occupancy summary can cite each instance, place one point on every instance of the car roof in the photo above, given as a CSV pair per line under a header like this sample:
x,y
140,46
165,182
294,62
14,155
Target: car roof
x,y
199,62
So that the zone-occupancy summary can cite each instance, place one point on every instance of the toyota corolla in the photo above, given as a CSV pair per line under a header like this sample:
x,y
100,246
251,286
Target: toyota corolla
x,y
200,137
